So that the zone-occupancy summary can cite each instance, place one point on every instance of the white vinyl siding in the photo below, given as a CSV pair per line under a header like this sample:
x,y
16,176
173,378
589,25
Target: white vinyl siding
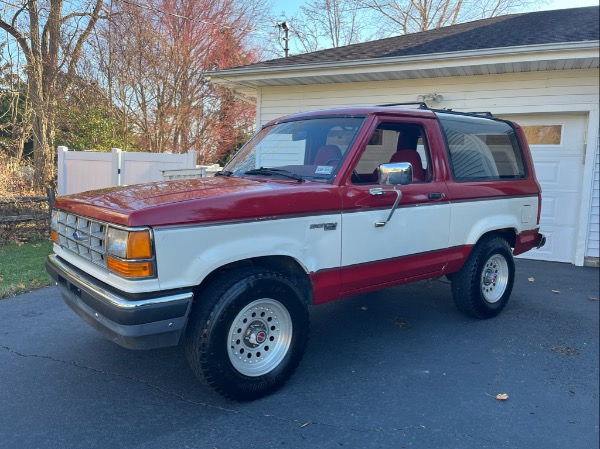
x,y
572,90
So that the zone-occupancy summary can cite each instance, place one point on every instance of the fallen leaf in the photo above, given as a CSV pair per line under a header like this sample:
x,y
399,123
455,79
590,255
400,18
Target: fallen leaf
x,y
565,350
401,323
555,291
1,279
502,397
21,285
531,279
589,298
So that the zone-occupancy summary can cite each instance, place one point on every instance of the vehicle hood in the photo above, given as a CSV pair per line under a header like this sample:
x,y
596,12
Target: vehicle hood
x,y
199,200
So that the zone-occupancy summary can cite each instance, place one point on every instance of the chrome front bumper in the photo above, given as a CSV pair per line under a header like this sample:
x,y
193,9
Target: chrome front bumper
x,y
135,321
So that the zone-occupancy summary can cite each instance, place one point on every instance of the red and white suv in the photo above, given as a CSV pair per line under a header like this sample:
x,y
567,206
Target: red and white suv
x,y
315,207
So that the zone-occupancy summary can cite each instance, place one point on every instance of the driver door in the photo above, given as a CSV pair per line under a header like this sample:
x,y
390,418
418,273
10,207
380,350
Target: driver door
x,y
414,243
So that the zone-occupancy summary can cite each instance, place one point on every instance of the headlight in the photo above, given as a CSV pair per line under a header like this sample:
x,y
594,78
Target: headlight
x,y
129,253
116,242
129,244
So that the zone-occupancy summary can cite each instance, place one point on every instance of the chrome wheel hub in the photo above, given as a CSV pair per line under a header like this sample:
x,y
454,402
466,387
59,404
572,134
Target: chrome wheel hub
x,y
489,278
494,278
256,334
259,337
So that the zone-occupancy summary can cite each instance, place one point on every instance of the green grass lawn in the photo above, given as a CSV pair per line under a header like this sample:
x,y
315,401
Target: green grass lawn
x,y
22,267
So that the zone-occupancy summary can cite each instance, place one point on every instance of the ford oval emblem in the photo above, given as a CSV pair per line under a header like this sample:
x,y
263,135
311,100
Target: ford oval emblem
x,y
76,236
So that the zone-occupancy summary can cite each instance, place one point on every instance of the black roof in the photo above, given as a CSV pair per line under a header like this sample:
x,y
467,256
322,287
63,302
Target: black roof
x,y
535,28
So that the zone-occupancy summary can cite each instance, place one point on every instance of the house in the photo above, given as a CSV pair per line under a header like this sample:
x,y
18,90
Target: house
x,y
539,69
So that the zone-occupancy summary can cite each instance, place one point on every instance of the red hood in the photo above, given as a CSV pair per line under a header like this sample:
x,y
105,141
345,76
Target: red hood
x,y
202,200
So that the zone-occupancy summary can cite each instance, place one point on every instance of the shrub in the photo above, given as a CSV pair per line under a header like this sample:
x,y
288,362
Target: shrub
x,y
20,220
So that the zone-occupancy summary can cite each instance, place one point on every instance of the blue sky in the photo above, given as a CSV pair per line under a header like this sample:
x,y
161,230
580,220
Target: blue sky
x,y
291,6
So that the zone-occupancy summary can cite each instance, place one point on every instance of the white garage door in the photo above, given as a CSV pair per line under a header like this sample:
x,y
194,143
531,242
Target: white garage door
x,y
557,146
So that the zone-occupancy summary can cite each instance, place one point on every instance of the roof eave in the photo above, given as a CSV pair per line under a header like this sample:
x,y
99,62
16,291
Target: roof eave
x,y
242,75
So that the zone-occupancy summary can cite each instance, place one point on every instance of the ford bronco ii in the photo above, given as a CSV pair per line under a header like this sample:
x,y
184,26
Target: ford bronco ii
x,y
317,206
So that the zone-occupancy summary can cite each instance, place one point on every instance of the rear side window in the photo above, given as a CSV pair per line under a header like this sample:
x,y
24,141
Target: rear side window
x,y
482,149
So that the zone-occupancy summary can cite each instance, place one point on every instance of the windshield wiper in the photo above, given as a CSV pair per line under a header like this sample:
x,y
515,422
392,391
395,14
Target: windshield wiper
x,y
274,171
223,173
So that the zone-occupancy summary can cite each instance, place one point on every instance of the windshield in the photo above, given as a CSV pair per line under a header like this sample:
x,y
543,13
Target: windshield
x,y
304,149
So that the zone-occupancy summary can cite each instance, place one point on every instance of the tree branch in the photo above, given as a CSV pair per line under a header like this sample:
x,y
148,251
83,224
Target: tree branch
x,y
18,36
75,55
80,14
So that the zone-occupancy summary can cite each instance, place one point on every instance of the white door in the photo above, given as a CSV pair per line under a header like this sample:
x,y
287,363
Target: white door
x,y
557,147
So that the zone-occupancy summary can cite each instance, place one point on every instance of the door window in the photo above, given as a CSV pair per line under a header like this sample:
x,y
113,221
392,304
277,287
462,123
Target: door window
x,y
394,142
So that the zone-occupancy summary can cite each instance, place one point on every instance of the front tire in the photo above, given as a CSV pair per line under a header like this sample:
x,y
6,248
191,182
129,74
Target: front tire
x,y
483,285
247,333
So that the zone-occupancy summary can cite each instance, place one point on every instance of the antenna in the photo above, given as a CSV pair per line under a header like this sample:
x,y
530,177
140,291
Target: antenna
x,y
285,26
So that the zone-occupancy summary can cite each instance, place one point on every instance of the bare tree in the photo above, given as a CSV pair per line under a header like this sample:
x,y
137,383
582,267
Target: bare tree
x,y
410,16
14,103
330,23
51,35
153,58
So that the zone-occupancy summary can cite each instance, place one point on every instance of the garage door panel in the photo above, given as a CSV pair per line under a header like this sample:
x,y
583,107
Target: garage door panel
x,y
558,172
558,247
560,208
558,162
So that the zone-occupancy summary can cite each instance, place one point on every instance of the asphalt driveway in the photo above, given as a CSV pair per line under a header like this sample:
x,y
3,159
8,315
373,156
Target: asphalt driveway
x,y
400,368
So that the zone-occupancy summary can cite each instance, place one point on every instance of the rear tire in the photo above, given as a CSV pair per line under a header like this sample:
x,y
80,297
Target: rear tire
x,y
247,333
483,285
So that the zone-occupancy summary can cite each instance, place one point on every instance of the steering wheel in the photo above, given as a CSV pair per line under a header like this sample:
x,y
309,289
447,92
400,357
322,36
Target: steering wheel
x,y
330,161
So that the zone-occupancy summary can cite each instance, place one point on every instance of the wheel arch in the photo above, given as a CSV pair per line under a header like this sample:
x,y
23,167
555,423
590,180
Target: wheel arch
x,y
504,225
508,234
286,265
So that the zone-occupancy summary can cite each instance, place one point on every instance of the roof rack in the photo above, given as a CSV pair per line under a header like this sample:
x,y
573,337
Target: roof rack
x,y
421,104
470,114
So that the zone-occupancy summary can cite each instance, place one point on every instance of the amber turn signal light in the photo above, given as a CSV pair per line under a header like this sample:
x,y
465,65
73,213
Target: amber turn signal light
x,y
130,269
55,236
139,245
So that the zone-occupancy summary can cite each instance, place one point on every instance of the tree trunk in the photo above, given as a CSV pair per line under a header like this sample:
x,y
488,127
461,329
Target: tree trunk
x,y
42,153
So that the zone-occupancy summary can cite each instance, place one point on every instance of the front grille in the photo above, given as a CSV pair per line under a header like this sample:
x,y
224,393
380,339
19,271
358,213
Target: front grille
x,y
82,236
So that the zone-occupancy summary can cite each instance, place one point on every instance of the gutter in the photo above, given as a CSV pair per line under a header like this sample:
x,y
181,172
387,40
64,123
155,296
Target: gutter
x,y
373,63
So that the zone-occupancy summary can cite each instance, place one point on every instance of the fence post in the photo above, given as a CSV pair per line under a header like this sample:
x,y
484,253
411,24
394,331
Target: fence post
x,y
116,167
62,170
191,159
50,199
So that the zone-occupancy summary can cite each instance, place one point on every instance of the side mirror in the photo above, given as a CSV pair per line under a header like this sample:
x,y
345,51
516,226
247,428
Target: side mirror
x,y
399,173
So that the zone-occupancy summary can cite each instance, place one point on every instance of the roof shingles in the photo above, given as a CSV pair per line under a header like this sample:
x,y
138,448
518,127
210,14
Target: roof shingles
x,y
536,28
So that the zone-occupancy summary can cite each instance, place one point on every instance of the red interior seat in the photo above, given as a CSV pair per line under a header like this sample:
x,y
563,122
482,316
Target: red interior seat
x,y
328,155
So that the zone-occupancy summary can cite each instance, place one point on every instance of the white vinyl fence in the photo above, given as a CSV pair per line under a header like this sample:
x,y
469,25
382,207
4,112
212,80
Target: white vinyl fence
x,y
79,171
